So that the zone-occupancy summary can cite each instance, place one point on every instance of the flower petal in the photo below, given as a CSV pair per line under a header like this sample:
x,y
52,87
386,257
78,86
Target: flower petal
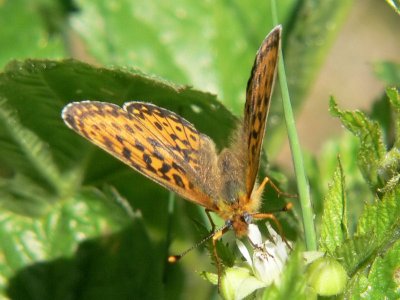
x,y
255,235
245,252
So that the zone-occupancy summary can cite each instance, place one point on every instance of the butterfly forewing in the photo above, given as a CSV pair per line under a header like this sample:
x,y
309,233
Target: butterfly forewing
x,y
154,141
258,98
177,134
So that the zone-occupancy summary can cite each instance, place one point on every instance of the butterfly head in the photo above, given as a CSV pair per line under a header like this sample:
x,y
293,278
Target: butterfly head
x,y
240,224
238,215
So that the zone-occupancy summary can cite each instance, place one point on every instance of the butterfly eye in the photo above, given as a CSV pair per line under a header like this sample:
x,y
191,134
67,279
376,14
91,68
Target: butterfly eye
x,y
228,224
247,218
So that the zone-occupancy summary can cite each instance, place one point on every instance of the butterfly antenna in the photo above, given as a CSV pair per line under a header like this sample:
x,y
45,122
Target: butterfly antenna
x,y
174,258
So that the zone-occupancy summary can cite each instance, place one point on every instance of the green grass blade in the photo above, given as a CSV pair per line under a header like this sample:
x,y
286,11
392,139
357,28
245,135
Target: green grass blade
x,y
302,183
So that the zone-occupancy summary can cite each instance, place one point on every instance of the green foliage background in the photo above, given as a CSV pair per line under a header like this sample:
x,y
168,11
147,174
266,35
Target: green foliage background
x,y
66,227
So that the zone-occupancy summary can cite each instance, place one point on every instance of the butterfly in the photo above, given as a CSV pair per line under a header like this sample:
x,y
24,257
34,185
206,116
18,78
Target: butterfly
x,y
168,149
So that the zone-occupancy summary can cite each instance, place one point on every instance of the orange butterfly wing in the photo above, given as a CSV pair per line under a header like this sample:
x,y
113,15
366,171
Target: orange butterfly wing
x,y
154,141
258,98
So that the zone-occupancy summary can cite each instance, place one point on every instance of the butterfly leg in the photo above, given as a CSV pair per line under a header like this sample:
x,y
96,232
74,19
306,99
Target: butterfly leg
x,y
210,219
266,181
217,235
272,217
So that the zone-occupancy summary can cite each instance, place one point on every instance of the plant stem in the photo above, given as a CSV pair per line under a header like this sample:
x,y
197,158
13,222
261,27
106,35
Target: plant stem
x,y
302,183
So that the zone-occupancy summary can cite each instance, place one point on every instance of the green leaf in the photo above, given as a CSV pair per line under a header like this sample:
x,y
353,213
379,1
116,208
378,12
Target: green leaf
x,y
334,219
370,257
388,72
44,162
38,252
372,149
355,252
375,244
320,172
24,151
394,97
388,170
377,278
165,40
382,112
356,287
382,275
382,219
22,28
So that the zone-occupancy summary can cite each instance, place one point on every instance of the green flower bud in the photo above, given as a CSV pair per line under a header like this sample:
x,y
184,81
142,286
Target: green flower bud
x,y
327,277
237,283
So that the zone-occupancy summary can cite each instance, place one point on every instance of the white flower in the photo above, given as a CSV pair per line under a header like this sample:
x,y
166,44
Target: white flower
x,y
269,257
266,264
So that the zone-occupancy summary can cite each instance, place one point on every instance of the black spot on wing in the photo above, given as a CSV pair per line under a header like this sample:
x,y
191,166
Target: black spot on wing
x,y
109,145
147,159
155,143
178,180
129,129
126,153
138,127
165,168
114,112
119,138
178,168
70,120
158,125
138,145
158,155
